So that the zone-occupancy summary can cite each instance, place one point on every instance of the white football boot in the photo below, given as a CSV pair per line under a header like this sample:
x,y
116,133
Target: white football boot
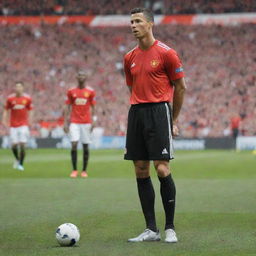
x,y
15,164
170,236
20,167
147,235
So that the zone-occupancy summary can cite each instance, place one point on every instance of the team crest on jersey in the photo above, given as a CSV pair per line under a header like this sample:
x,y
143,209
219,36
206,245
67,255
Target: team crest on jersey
x,y
86,94
154,63
24,102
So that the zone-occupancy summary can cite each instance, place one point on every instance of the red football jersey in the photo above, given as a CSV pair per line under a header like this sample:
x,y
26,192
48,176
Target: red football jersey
x,y
235,122
81,100
150,73
19,107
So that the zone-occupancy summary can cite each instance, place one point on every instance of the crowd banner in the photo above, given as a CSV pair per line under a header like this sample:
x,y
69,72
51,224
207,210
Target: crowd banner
x,y
118,142
124,20
189,144
246,143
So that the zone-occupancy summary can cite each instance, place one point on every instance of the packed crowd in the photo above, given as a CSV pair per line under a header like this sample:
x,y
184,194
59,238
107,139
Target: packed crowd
x,y
219,62
105,7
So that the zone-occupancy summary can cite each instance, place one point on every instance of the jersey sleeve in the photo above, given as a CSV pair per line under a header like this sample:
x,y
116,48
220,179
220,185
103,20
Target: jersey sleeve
x,y
173,65
7,104
68,100
92,98
29,104
127,71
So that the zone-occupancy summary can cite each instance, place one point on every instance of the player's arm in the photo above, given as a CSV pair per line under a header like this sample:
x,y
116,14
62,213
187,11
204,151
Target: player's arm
x,y
5,117
67,110
176,75
127,72
130,88
30,111
178,97
31,117
94,117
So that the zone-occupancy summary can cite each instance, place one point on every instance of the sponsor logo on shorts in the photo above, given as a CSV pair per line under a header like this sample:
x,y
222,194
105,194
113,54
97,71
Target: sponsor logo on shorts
x,y
164,152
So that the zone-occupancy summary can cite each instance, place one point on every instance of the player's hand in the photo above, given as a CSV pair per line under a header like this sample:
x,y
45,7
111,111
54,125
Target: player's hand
x,y
175,130
92,127
66,128
5,124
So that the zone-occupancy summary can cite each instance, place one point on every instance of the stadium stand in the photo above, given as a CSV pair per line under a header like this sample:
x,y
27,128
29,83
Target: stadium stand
x,y
103,7
219,64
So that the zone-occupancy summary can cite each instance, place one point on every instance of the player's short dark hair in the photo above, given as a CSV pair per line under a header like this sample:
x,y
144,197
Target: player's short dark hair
x,y
146,12
20,82
81,71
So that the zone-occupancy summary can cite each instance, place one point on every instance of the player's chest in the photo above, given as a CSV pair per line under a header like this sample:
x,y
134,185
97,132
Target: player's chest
x,y
80,98
146,64
18,104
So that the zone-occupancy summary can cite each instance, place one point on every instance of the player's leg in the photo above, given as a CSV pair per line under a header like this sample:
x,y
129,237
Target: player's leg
x,y
74,159
22,156
85,160
147,199
168,194
159,145
15,152
136,151
15,149
23,134
146,193
74,137
85,130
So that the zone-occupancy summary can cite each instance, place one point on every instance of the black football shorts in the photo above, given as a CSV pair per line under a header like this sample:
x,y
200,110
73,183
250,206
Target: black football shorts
x,y
149,132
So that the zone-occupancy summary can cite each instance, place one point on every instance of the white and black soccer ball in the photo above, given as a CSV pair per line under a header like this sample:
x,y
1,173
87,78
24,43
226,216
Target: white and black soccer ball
x,y
67,234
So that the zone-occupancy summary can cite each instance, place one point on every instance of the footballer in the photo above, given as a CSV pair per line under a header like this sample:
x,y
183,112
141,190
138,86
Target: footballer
x,y
18,115
155,78
78,117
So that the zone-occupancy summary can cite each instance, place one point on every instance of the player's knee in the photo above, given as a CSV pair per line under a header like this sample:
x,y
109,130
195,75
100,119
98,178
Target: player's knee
x,y
22,146
162,168
14,146
141,169
74,145
86,148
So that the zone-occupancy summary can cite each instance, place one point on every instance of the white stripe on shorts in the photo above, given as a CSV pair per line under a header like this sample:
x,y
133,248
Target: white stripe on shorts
x,y
169,130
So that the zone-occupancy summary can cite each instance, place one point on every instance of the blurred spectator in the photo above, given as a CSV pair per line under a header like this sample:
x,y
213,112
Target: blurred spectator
x,y
235,124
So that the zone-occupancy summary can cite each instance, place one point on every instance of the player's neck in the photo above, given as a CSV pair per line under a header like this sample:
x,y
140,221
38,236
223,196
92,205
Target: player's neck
x,y
146,42
18,95
81,86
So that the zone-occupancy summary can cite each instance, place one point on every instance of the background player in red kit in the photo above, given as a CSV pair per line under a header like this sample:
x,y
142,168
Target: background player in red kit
x,y
19,105
155,77
78,115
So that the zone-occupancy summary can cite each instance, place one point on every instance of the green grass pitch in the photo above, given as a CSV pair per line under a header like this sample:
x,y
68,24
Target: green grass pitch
x,y
215,214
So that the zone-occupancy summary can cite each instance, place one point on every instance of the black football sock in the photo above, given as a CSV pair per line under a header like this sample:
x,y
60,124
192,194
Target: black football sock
x,y
74,158
22,155
168,194
15,152
85,156
147,200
